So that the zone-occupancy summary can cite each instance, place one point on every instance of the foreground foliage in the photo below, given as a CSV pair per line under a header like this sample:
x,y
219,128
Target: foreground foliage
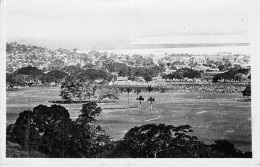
x,y
168,141
247,91
50,132
14,150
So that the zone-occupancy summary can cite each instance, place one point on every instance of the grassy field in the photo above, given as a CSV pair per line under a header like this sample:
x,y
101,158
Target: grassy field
x,y
212,116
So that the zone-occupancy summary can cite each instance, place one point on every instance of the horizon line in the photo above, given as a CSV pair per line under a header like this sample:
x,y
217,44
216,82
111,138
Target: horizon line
x,y
180,45
114,46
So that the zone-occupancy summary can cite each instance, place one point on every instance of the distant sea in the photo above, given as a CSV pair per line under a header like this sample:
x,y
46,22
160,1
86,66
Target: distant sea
x,y
208,50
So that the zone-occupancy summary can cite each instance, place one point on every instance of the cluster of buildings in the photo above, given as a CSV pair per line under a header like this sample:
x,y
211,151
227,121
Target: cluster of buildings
x,y
209,62
23,55
18,56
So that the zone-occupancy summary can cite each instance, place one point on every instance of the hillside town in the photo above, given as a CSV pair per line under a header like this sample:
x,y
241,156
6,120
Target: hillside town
x,y
36,66
19,56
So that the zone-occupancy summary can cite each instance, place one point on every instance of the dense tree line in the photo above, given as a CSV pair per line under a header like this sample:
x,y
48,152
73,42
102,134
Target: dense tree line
x,y
182,73
124,70
233,74
33,76
51,131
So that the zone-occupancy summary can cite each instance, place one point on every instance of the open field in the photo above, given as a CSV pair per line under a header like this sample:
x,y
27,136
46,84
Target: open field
x,y
212,116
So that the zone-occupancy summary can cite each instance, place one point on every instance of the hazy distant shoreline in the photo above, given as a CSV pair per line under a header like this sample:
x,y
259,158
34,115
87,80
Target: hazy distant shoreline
x,y
209,49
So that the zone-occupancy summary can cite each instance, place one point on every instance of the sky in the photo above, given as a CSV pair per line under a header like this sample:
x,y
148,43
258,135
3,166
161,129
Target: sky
x,y
119,24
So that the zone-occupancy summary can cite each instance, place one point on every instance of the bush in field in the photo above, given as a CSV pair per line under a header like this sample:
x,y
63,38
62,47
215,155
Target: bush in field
x,y
107,91
147,77
66,94
247,91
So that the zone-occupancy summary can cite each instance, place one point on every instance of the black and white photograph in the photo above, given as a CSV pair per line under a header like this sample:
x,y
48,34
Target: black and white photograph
x,y
127,79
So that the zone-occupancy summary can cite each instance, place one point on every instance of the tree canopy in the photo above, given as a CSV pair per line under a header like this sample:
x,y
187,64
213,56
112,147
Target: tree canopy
x,y
247,91
28,74
168,141
183,73
51,131
72,69
230,75
29,70
86,84
93,75
15,80
54,76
